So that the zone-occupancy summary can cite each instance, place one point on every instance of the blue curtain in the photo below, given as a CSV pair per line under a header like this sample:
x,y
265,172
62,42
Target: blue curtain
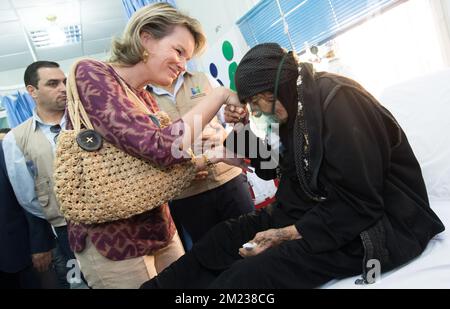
x,y
3,119
19,107
132,6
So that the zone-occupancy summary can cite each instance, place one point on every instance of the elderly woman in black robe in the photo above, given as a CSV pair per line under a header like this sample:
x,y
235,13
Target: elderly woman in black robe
x,y
351,194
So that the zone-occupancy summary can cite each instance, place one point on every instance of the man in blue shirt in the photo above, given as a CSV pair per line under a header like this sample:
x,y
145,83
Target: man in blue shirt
x,y
29,153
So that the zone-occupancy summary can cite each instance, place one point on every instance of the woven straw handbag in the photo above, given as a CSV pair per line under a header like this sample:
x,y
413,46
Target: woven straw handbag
x,y
107,184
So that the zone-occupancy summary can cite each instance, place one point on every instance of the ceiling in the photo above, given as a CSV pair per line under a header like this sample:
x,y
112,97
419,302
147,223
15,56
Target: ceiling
x,y
99,21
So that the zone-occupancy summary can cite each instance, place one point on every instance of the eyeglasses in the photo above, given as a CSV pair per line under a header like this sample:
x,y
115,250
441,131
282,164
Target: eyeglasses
x,y
56,129
254,110
261,99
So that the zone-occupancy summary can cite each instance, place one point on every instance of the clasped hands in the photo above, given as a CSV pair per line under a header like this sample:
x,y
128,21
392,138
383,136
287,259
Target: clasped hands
x,y
211,141
235,111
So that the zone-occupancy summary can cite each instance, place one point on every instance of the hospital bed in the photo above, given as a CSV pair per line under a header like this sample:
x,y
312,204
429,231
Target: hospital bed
x,y
422,107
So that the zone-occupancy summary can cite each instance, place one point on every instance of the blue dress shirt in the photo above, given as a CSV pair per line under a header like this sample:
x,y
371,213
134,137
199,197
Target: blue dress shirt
x,y
21,173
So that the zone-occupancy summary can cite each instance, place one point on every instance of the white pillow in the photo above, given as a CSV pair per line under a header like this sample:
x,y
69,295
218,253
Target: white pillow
x,y
422,108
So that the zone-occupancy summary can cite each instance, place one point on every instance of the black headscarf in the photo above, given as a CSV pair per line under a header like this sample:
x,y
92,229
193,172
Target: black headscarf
x,y
258,69
267,66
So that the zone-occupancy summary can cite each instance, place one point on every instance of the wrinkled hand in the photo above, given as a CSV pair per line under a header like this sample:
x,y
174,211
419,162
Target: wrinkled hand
x,y
41,261
236,114
270,238
235,111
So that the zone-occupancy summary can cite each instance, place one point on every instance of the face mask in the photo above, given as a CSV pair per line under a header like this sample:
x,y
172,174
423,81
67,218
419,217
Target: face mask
x,y
262,125
266,127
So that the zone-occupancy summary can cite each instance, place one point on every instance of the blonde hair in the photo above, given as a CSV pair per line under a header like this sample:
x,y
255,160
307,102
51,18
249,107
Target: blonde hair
x,y
158,20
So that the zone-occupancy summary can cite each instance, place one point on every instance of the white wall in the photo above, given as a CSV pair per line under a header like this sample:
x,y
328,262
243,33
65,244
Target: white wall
x,y
216,16
409,40
441,18
446,6
12,80
218,19
399,45
404,42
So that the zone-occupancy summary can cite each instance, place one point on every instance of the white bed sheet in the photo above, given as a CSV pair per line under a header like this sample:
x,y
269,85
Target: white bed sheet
x,y
431,270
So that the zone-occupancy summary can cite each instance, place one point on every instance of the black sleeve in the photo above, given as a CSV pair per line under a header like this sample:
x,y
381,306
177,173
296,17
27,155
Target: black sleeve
x,y
247,144
356,150
265,162
42,238
263,173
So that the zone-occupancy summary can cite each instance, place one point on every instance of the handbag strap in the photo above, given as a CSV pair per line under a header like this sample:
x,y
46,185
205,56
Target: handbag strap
x,y
75,109
134,98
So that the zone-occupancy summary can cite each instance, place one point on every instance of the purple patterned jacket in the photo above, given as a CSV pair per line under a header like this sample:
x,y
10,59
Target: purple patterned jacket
x,y
123,124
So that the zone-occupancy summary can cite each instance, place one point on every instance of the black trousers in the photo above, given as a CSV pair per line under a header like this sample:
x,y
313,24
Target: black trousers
x,y
10,281
199,213
29,278
214,261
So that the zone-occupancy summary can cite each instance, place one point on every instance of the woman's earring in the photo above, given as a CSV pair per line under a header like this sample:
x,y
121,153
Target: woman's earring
x,y
145,56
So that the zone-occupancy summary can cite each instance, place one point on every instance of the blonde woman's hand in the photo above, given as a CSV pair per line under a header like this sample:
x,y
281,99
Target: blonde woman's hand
x,y
221,154
213,135
231,98
202,175
238,162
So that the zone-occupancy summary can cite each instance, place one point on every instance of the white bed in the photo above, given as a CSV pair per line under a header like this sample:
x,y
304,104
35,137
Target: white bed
x,y
429,271
422,107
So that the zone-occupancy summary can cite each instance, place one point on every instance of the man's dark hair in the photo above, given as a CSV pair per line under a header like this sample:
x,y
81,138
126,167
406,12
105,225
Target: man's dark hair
x,y
4,130
31,76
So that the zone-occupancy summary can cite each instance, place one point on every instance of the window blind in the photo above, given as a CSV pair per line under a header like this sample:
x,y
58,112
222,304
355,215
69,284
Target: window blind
x,y
311,22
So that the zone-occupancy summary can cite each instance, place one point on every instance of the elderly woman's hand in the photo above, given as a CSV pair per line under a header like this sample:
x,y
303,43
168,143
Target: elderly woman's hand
x,y
268,239
236,114
235,111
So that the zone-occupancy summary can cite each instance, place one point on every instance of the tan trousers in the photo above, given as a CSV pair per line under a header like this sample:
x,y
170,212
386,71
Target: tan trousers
x,y
103,273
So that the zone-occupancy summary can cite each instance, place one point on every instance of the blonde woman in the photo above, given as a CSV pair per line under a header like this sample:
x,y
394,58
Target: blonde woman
x,y
154,49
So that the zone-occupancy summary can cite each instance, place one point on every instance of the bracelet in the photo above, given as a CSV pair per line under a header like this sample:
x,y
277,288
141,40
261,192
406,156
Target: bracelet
x,y
207,160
